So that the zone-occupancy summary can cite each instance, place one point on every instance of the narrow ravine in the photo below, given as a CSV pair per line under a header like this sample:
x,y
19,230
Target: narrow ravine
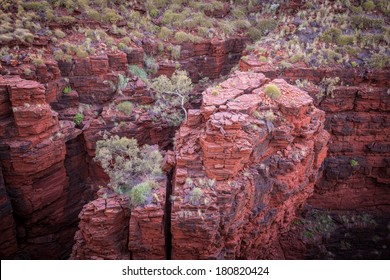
x,y
167,217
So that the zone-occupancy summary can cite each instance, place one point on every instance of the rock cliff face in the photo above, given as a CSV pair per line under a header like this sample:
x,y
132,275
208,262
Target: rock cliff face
x,y
110,229
210,58
46,162
41,181
355,181
245,164
356,172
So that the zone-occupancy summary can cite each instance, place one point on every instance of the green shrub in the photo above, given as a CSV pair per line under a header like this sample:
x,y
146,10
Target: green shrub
x,y
165,33
110,16
6,38
65,20
59,33
330,35
127,165
78,119
38,6
182,36
81,53
93,14
27,71
140,193
176,52
272,91
257,115
151,64
266,25
37,61
369,5
24,35
67,89
344,40
137,34
269,116
295,58
354,162
126,107
362,21
227,27
160,47
254,33
378,61
242,24
171,93
263,59
168,17
195,196
153,13
139,72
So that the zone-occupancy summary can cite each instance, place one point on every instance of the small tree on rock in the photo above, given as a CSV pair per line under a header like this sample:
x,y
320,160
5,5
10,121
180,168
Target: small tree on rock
x,y
171,93
128,165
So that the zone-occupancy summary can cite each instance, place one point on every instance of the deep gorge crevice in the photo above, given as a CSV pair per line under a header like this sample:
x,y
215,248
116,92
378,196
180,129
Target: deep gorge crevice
x,y
167,216
47,172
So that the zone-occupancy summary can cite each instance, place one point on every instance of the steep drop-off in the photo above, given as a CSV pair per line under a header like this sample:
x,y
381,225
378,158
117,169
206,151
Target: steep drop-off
x,y
45,188
245,163
46,160
354,188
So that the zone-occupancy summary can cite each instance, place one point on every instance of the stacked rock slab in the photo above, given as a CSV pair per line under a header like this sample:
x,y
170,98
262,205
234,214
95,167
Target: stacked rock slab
x,y
112,230
357,117
33,145
245,164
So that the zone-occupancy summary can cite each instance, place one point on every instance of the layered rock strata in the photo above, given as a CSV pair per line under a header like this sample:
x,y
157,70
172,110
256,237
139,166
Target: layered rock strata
x,y
42,173
111,229
245,164
356,172
355,183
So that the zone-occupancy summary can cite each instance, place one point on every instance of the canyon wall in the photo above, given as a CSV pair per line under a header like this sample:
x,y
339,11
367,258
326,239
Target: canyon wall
x,y
38,166
46,161
354,188
357,117
245,164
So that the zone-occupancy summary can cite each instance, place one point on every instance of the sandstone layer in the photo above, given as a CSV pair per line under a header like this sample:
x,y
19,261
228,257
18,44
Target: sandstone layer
x,y
41,181
253,160
356,171
47,162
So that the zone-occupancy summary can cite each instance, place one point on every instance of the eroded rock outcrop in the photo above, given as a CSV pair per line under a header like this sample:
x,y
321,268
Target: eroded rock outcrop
x,y
111,229
355,179
356,173
34,147
245,164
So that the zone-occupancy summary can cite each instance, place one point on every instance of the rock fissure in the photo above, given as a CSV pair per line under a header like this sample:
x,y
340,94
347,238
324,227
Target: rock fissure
x,y
167,217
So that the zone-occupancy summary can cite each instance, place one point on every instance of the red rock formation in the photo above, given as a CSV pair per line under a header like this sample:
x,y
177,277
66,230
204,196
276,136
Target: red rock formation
x,y
254,169
104,230
110,229
34,148
357,117
8,242
147,228
356,172
209,58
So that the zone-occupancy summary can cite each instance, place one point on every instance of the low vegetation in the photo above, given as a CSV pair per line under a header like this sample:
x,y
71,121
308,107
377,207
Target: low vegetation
x,y
78,119
125,107
272,91
326,33
172,93
132,170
